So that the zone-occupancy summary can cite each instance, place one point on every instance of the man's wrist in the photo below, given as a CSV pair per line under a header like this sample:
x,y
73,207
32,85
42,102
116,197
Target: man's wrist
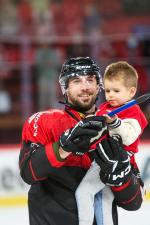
x,y
63,154
60,154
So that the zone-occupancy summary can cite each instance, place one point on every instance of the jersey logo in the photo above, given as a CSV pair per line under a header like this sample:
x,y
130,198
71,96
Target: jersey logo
x,y
35,118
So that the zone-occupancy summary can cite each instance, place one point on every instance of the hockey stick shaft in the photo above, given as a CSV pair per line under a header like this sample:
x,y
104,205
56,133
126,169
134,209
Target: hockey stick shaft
x,y
138,100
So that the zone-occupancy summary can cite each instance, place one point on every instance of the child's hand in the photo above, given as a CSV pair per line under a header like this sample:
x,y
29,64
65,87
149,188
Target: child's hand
x,y
110,119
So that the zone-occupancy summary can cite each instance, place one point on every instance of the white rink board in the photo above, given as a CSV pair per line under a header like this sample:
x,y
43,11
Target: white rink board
x,y
11,185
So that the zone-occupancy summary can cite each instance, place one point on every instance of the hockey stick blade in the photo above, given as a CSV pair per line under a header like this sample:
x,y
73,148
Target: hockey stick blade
x,y
138,100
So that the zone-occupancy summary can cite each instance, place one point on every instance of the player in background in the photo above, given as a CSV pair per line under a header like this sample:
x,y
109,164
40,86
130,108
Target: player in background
x,y
55,156
120,85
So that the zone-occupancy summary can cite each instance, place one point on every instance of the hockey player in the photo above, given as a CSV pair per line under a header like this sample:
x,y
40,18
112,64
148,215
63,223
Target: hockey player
x,y
55,152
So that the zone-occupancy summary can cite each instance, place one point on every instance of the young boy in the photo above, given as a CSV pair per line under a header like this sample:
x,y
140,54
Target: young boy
x,y
120,84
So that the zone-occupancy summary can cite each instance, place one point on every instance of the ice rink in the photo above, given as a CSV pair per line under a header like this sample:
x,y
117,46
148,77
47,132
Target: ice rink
x,y
19,216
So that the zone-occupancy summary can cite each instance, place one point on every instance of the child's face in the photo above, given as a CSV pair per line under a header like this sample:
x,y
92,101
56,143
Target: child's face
x,y
116,93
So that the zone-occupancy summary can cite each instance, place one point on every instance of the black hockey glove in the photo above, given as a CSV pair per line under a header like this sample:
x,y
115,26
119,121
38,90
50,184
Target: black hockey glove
x,y
114,162
100,125
79,138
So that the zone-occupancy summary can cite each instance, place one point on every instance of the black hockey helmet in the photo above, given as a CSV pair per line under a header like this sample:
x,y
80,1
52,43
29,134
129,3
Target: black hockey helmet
x,y
78,67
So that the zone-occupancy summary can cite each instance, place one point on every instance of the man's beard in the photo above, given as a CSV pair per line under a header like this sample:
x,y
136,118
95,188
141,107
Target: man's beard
x,y
82,107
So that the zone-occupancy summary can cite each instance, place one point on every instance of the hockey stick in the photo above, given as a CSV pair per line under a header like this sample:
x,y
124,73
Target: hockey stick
x,y
138,100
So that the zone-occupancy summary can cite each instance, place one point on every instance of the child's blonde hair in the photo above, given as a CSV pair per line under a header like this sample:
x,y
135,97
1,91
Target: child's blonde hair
x,y
122,70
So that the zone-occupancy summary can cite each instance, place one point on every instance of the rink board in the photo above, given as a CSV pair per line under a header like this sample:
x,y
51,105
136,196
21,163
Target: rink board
x,y
13,191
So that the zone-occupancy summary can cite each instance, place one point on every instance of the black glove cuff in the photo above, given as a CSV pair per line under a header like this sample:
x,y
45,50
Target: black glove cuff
x,y
129,195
